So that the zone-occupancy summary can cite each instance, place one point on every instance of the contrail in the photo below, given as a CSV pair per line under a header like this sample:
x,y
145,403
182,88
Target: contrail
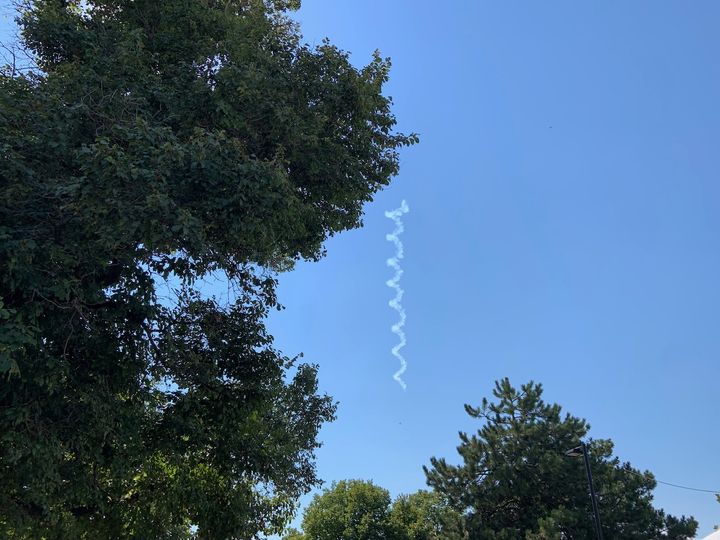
x,y
394,283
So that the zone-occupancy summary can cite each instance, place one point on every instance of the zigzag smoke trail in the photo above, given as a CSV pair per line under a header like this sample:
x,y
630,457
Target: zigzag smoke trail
x,y
394,283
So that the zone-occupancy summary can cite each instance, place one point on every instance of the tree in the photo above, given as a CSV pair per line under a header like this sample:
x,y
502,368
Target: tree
x,y
358,510
515,482
351,510
168,141
424,515
293,534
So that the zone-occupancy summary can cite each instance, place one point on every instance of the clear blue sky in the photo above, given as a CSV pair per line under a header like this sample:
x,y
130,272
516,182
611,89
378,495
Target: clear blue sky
x,y
563,227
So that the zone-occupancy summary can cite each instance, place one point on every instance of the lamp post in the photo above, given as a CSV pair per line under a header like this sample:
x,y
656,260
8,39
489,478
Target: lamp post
x,y
581,450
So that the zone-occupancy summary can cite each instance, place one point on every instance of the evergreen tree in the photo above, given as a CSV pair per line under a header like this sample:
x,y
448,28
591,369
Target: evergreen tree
x,y
515,482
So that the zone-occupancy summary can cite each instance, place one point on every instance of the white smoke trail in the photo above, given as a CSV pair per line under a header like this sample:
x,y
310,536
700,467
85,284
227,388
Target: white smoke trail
x,y
394,283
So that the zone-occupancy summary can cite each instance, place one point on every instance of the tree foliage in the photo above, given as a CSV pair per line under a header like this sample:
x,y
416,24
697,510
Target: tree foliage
x,y
514,481
351,510
359,510
424,515
168,141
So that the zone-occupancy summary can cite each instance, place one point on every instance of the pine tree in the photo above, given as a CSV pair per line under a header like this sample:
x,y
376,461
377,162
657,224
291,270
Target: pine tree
x,y
515,482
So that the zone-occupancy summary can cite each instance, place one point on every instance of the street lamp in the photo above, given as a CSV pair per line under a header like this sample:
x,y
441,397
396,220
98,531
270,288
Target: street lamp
x,y
581,450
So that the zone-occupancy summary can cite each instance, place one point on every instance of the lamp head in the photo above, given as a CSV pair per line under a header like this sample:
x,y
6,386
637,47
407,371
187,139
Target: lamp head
x,y
575,452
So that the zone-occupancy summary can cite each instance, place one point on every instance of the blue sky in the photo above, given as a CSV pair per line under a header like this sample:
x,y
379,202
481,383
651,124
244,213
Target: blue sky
x,y
563,227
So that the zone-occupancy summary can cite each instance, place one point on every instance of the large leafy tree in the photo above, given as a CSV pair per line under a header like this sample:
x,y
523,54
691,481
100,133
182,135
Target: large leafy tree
x,y
351,510
425,515
359,510
514,481
168,141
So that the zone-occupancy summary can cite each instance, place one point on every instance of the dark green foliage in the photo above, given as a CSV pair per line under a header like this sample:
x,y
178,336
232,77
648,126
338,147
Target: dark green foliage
x,y
516,483
167,140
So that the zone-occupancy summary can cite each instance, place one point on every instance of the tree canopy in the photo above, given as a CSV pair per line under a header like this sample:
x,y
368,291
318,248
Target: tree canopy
x,y
515,482
424,515
360,510
349,509
165,142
